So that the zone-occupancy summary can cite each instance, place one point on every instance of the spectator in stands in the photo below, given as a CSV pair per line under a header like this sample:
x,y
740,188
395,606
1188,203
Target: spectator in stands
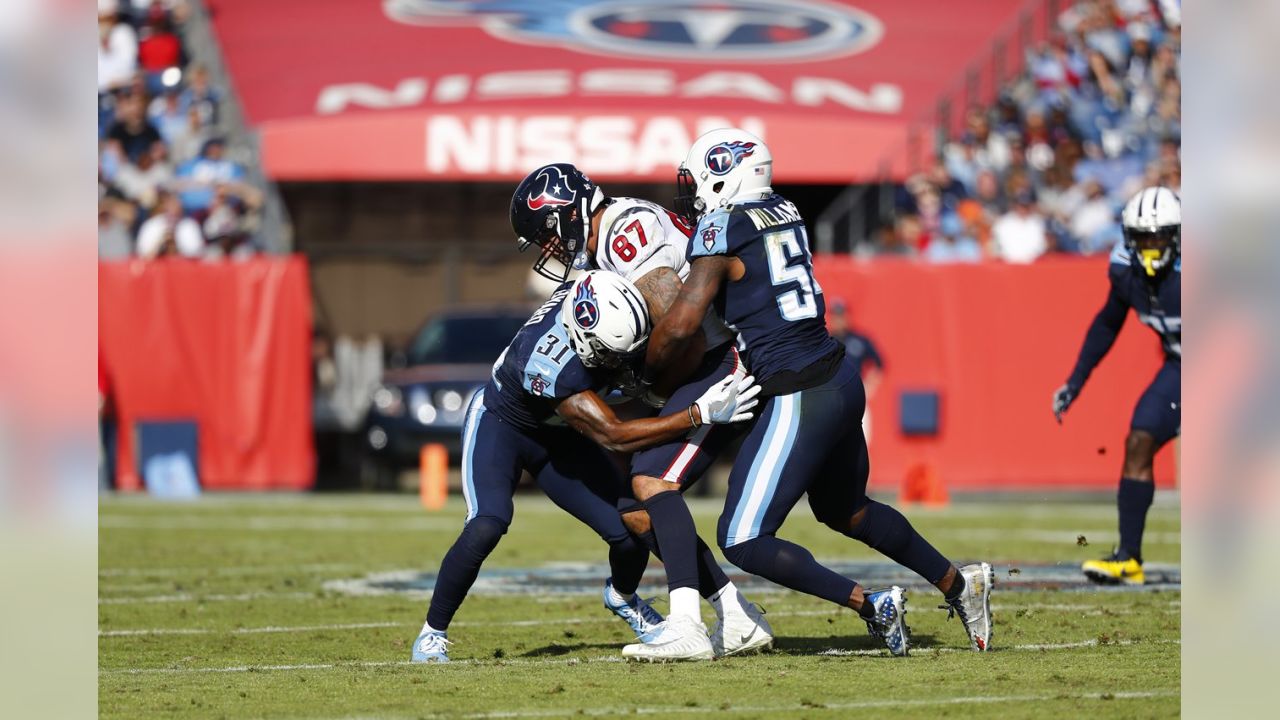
x,y
1093,226
165,113
117,48
115,215
199,178
159,50
202,96
224,227
1019,236
191,138
169,232
131,129
953,243
142,182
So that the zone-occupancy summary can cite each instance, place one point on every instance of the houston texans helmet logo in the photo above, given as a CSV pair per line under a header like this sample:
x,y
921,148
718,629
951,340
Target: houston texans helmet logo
x,y
585,311
724,157
553,190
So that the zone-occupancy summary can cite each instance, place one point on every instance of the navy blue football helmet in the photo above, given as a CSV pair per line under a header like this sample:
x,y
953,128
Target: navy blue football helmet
x,y
552,208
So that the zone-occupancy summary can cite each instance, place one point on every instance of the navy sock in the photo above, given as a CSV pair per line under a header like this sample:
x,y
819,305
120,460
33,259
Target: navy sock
x,y
460,567
885,530
628,558
677,536
791,566
957,587
1134,499
710,577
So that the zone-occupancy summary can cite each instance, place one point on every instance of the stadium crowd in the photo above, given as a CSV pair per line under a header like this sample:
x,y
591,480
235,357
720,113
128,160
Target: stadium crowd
x,y
1047,167
166,186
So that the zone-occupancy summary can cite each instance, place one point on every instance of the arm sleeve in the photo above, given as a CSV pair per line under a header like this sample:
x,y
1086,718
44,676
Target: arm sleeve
x,y
1100,337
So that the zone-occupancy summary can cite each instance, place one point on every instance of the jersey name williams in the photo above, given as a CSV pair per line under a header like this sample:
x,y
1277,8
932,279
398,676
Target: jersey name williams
x,y
784,213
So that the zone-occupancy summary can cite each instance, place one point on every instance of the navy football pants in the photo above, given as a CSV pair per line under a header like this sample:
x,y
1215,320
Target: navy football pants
x,y
1159,410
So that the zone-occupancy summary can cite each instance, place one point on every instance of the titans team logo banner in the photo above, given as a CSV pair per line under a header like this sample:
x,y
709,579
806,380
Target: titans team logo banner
x,y
724,31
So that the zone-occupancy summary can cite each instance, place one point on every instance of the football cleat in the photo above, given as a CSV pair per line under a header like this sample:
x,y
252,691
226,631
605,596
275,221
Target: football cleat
x,y
431,647
890,622
642,618
678,638
973,604
1113,570
741,633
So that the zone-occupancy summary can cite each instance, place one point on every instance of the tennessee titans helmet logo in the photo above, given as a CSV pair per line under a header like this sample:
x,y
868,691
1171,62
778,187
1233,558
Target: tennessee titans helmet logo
x,y
585,311
553,190
724,157
723,31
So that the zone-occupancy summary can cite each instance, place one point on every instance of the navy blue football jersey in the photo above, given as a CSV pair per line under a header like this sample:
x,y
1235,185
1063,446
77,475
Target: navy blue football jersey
x,y
777,308
538,369
1158,305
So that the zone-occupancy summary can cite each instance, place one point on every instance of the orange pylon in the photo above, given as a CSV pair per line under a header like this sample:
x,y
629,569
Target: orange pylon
x,y
433,476
924,485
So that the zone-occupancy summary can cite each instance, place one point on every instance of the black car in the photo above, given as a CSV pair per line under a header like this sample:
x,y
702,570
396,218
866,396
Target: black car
x,y
447,361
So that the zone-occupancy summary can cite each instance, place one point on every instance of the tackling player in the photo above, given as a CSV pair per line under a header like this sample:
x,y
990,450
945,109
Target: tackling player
x,y
1146,275
546,372
560,210
750,258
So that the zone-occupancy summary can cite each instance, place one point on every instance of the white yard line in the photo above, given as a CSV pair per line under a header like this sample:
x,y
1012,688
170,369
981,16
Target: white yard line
x,y
234,571
832,652
245,631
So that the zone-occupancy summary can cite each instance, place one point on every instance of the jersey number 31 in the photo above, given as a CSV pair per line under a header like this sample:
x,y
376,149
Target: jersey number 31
x,y
784,248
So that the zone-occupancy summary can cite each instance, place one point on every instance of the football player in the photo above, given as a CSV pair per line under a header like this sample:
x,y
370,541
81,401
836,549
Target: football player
x,y
750,257
1146,275
548,373
560,210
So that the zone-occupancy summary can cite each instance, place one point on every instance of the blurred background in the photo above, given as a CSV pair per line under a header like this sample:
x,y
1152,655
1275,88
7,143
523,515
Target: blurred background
x,y
306,267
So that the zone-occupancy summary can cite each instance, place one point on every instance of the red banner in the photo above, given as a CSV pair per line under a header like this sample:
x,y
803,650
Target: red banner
x,y
487,89
995,341
226,345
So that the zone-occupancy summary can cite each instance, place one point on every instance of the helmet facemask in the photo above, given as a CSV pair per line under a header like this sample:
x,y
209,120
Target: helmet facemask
x,y
687,203
1153,252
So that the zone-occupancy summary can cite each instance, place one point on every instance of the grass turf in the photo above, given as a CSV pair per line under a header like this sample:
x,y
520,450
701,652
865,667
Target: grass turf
x,y
219,608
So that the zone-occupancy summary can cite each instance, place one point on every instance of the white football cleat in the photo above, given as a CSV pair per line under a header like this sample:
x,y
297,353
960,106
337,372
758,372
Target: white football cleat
x,y
678,638
741,633
973,604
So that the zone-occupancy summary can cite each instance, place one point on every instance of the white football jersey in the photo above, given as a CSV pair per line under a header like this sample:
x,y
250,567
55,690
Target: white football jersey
x,y
637,236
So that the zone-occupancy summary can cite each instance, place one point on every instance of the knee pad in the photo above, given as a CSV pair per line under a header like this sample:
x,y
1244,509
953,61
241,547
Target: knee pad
x,y
481,535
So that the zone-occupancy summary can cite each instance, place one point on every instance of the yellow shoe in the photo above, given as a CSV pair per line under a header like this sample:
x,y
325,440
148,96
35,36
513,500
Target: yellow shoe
x,y
1112,571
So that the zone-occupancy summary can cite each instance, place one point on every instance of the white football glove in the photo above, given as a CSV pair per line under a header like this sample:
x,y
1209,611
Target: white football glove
x,y
729,401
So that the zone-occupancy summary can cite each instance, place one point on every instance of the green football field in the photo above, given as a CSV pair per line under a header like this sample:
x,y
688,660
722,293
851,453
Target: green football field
x,y
306,606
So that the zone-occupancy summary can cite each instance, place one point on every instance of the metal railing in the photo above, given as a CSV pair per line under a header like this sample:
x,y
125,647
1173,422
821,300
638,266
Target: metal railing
x,y
851,219
274,231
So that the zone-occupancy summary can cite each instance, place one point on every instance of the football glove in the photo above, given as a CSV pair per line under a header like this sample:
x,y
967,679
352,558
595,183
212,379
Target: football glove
x,y
1062,400
729,401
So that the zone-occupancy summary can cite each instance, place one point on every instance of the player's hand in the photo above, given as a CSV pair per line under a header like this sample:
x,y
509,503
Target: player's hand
x,y
1062,400
729,401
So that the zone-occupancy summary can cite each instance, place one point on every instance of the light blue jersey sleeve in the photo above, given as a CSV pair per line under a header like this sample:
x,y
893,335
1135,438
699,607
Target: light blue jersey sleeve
x,y
711,237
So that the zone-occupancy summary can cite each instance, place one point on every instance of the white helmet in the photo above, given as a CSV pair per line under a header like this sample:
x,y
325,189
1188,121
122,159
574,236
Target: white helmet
x,y
606,319
1152,223
724,166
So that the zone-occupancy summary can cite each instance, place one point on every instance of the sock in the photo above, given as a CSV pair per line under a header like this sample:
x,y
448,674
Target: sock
x,y
710,577
957,587
677,536
867,611
727,600
885,530
460,567
426,628
628,558
790,566
617,598
1134,499
684,601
